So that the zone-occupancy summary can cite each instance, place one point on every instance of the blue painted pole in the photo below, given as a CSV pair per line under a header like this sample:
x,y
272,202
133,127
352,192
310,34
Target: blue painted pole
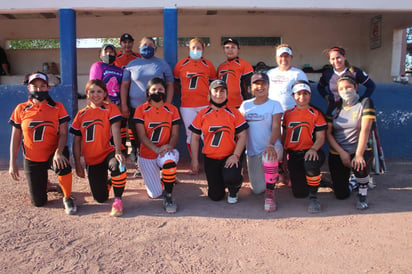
x,y
68,55
170,36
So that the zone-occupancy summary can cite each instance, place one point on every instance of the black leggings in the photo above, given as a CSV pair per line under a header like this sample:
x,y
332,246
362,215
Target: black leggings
x,y
340,174
218,178
36,174
299,169
98,178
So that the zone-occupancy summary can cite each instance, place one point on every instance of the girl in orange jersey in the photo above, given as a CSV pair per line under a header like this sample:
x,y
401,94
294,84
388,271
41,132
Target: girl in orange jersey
x,y
93,127
157,126
224,132
42,125
303,136
194,74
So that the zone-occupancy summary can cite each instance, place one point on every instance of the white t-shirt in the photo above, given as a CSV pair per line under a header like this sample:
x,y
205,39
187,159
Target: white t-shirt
x,y
259,118
280,86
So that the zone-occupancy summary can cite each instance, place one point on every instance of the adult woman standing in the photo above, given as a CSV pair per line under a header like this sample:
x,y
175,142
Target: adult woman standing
x,y
282,77
194,73
327,85
137,74
224,132
263,147
349,125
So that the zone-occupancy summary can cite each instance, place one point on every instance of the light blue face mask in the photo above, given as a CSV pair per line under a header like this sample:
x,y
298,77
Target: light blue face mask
x,y
195,54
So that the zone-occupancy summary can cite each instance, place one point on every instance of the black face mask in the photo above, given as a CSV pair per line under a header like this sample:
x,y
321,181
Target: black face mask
x,y
39,95
218,105
157,97
108,59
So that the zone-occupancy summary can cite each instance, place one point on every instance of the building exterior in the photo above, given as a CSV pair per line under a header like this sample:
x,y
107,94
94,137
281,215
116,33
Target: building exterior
x,y
372,32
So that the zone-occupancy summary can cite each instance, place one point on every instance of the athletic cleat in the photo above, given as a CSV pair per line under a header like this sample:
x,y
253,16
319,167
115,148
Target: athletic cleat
x,y
314,205
69,206
232,200
362,203
117,208
168,204
270,204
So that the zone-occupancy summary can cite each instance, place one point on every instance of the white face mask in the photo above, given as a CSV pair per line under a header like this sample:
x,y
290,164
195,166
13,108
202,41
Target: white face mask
x,y
195,54
349,97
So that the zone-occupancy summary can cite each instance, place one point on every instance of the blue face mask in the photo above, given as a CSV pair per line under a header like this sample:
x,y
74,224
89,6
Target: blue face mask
x,y
195,54
147,52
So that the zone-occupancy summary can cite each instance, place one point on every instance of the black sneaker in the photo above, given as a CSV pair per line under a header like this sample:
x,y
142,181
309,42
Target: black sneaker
x,y
69,206
168,203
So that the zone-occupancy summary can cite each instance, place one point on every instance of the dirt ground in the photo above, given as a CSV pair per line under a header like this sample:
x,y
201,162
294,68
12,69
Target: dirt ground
x,y
206,236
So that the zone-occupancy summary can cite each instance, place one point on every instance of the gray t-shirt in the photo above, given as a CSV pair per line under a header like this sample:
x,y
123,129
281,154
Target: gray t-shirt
x,y
139,71
347,124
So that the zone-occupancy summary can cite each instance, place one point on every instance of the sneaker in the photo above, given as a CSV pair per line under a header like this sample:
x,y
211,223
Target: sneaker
x,y
353,184
53,187
69,206
314,205
362,203
232,200
371,184
325,183
138,173
117,208
270,204
168,203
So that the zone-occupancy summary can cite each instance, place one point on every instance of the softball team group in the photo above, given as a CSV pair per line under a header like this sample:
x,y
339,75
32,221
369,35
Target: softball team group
x,y
264,116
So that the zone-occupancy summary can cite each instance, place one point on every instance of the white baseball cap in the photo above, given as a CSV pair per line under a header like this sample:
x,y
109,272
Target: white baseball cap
x,y
283,50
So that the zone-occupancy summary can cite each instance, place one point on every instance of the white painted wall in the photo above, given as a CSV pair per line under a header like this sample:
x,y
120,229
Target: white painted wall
x,y
308,33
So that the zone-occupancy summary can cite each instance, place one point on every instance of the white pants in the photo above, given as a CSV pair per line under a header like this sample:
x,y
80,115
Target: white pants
x,y
188,115
150,169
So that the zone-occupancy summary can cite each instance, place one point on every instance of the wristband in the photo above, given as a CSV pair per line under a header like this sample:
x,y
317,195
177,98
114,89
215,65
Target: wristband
x,y
237,156
271,145
157,150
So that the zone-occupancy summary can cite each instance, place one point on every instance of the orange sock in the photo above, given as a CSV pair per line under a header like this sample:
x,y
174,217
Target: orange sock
x,y
66,182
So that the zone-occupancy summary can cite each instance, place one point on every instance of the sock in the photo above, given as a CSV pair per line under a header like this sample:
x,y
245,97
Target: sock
x,y
363,185
66,182
271,173
169,175
118,184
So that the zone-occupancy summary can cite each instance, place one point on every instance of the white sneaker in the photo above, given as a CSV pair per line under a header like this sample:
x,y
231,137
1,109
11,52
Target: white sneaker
x,y
232,200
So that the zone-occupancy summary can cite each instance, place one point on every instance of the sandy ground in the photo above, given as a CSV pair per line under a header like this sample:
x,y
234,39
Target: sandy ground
x,y
205,236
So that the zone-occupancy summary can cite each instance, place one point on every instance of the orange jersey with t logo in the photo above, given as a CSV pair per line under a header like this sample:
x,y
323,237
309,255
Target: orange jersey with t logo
x,y
158,123
194,78
219,128
40,127
236,74
94,126
122,59
300,126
